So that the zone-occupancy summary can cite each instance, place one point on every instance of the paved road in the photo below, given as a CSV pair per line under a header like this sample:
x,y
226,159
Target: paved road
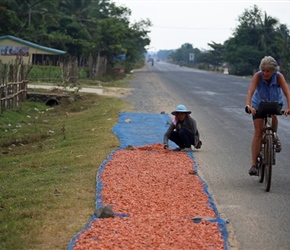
x,y
258,220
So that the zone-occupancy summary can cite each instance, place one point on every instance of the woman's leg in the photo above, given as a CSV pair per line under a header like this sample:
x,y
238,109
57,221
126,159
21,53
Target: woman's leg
x,y
176,139
257,138
186,137
274,123
275,128
183,138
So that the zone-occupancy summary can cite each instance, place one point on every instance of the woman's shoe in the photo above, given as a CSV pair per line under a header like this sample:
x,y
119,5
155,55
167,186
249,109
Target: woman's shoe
x,y
253,171
186,150
278,145
198,145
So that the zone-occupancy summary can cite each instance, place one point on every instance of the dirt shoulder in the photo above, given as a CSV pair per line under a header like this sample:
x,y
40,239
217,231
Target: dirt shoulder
x,y
106,91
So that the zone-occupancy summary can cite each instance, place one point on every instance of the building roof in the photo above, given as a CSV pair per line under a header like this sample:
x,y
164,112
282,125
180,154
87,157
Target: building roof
x,y
34,45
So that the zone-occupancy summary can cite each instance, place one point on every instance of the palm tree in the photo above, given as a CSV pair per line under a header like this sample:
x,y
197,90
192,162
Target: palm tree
x,y
268,33
282,45
29,10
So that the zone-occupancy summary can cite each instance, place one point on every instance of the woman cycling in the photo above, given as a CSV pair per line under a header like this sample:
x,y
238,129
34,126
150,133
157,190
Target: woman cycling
x,y
268,84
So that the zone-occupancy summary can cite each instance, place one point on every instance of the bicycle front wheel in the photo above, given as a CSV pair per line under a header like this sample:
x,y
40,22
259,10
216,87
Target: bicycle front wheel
x,y
261,167
269,153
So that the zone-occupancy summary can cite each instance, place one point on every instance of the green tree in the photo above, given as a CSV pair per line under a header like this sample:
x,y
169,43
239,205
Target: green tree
x,y
32,15
268,34
83,28
136,40
164,54
215,56
182,54
257,35
8,19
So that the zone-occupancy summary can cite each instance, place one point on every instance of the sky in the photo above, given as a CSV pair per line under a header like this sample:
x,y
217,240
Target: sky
x,y
197,22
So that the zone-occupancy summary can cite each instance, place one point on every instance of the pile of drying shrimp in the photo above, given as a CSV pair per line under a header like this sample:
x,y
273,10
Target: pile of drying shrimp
x,y
157,195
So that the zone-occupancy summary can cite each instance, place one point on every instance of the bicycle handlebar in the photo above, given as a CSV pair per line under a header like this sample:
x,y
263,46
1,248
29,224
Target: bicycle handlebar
x,y
282,112
268,108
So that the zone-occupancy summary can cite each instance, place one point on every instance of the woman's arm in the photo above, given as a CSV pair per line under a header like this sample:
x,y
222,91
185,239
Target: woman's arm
x,y
284,86
254,83
168,134
190,125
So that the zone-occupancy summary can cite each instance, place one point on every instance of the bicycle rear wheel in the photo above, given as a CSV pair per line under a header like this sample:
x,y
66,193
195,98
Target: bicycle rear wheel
x,y
269,161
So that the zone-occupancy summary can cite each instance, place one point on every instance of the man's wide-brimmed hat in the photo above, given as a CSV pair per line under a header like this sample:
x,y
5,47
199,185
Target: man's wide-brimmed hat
x,y
180,109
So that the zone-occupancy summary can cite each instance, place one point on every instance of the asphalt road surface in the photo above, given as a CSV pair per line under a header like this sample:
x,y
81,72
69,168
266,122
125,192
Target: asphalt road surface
x,y
257,219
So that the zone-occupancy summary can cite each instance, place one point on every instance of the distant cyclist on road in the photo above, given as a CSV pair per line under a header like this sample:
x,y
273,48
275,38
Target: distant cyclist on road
x,y
268,84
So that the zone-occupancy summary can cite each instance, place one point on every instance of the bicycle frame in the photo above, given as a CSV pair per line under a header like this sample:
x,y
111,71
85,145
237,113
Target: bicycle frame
x,y
267,153
267,158
268,136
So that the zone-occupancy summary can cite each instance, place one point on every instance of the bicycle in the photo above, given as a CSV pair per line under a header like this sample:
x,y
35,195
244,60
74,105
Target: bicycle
x,y
267,156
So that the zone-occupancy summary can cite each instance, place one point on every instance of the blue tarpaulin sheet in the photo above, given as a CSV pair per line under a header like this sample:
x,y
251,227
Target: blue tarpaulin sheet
x,y
139,129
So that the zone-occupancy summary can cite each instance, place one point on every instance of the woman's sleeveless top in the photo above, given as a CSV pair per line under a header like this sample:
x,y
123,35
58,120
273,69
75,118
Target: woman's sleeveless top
x,y
267,92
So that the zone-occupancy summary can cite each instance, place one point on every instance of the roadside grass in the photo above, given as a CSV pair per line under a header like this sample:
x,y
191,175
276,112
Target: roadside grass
x,y
49,158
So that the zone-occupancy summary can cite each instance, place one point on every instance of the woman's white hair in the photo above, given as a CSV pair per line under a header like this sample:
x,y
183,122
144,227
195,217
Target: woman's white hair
x,y
269,62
